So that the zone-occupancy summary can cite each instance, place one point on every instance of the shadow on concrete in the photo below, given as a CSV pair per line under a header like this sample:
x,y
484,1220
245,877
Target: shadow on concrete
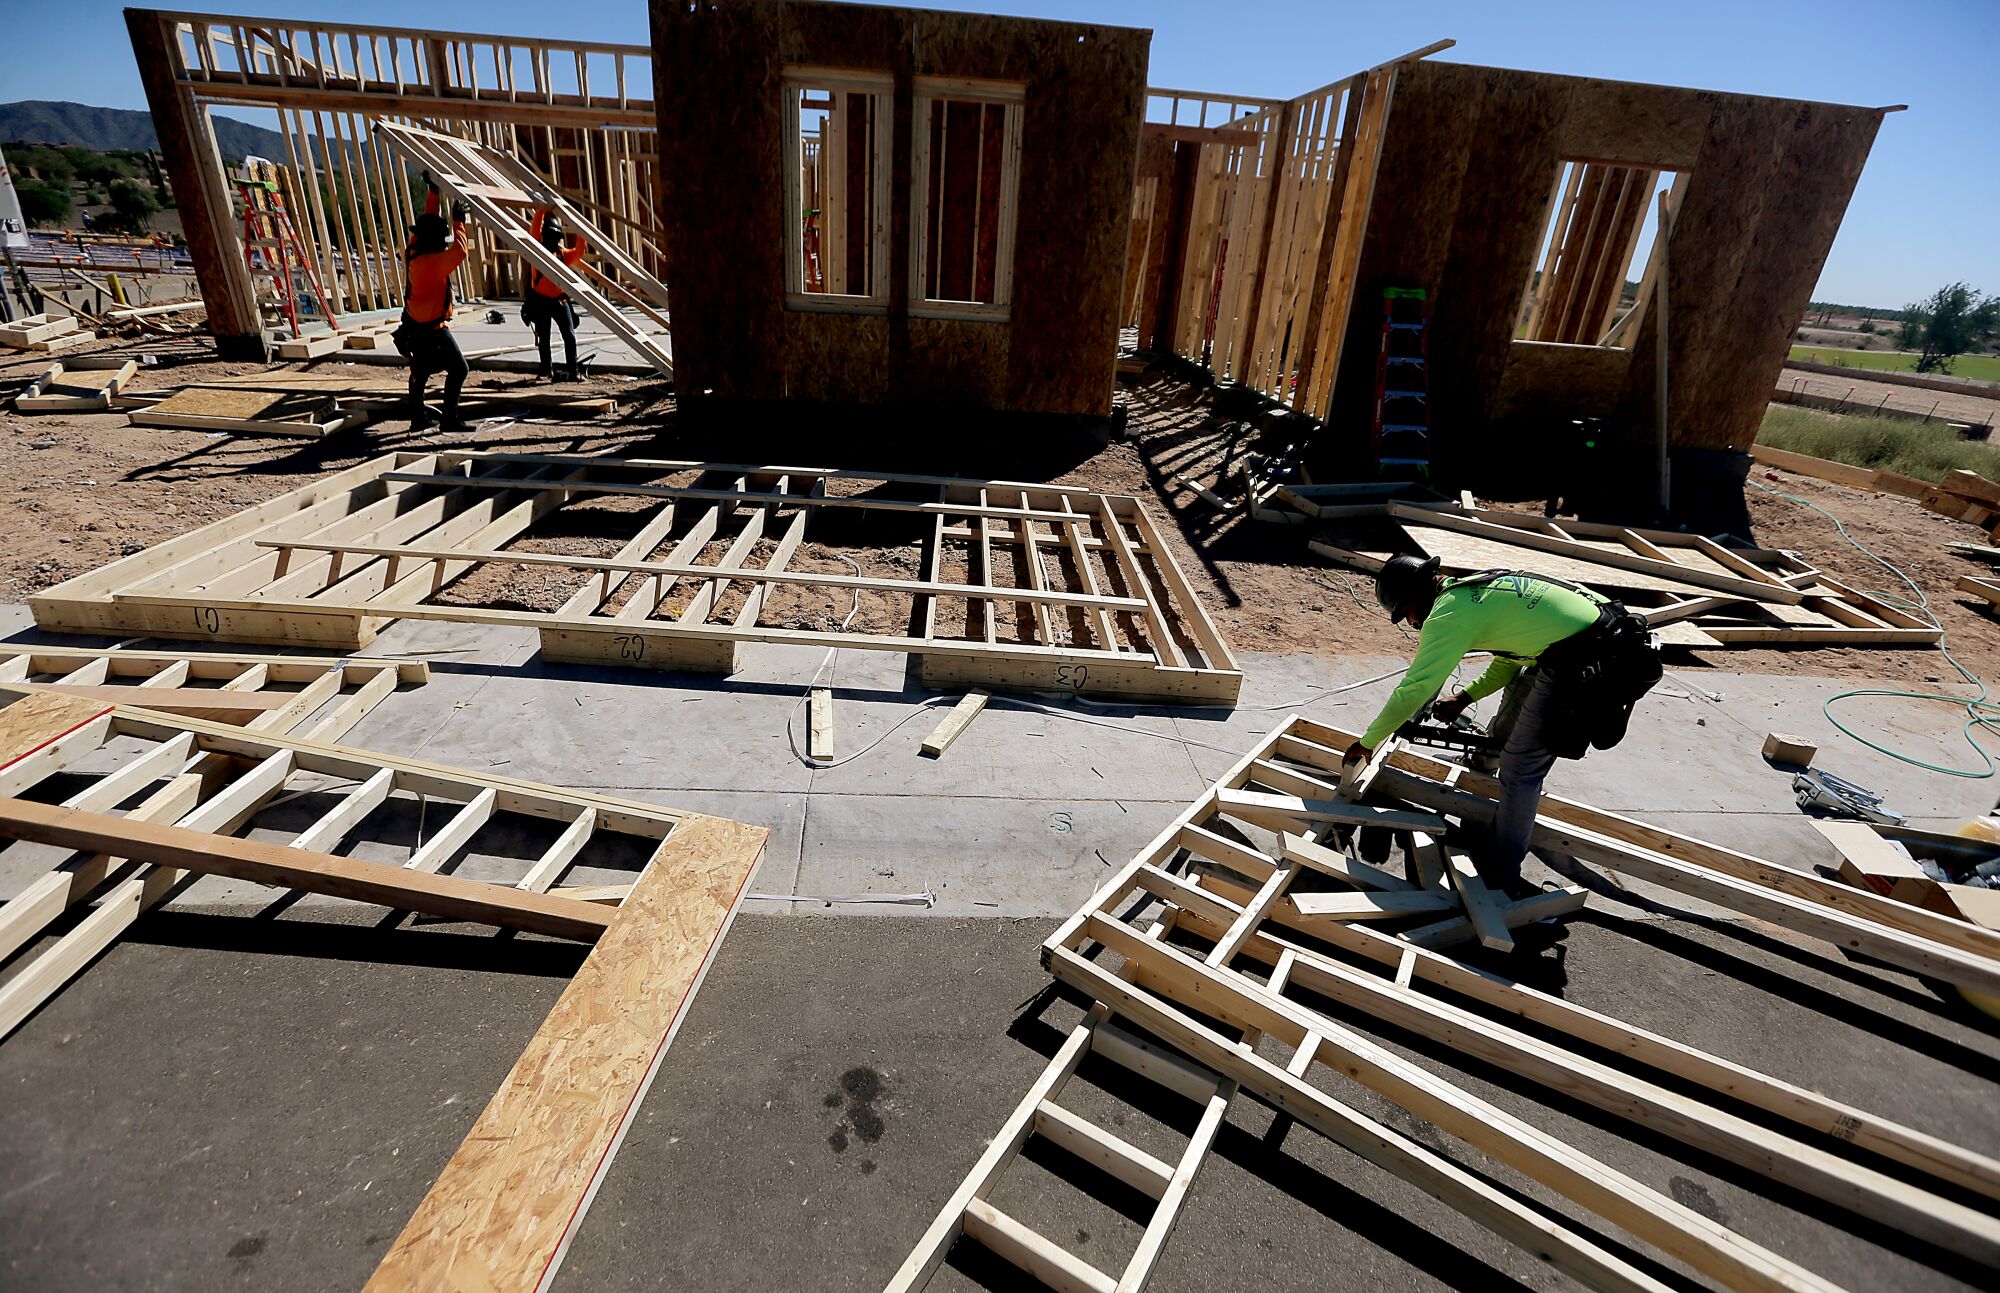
x,y
341,941
1790,989
1455,1061
1259,1155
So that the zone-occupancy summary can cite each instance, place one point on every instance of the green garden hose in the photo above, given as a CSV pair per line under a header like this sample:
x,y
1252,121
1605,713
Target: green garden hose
x,y
1979,710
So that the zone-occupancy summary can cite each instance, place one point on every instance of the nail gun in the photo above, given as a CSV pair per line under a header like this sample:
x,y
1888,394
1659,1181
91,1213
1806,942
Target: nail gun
x,y
1462,733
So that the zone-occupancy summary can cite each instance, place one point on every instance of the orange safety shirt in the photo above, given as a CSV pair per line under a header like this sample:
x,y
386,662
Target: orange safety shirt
x,y
430,274
570,256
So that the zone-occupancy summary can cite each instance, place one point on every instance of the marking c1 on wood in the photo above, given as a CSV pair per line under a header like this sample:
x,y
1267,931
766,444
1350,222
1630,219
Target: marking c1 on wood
x,y
208,619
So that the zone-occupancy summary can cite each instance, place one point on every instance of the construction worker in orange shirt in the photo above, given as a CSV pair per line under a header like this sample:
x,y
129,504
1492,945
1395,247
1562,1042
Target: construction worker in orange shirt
x,y
547,302
424,335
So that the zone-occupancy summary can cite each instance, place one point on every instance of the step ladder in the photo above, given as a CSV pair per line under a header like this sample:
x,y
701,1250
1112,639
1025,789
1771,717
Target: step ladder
x,y
269,235
968,1214
1402,432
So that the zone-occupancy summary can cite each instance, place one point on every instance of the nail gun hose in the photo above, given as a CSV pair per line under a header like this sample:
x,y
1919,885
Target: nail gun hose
x,y
1981,711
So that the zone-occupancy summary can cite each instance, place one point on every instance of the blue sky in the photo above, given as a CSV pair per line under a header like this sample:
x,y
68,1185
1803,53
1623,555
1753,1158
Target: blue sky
x,y
1926,211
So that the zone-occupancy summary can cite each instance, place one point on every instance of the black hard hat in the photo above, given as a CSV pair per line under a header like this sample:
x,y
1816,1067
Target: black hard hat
x,y
1405,582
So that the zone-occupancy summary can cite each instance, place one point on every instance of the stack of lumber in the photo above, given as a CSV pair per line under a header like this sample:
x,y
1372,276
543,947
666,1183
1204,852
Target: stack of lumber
x,y
372,334
44,332
352,389
1695,591
1965,496
1234,942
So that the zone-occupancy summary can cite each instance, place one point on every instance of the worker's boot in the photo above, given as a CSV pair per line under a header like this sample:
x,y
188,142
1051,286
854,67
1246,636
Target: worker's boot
x,y
453,423
422,419
575,373
548,373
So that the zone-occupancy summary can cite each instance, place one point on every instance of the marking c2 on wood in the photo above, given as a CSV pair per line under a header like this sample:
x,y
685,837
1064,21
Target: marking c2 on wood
x,y
631,646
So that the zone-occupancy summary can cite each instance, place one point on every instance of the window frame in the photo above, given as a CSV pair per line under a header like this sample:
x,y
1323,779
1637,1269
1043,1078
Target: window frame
x,y
793,81
1012,98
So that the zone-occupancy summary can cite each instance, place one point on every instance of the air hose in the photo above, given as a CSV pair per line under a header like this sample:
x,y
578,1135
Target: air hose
x,y
1980,711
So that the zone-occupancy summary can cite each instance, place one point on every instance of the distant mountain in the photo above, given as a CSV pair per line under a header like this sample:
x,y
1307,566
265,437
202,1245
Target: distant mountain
x,y
78,125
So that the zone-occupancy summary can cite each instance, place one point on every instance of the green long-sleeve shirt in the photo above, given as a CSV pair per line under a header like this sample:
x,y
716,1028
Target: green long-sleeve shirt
x,y
1515,616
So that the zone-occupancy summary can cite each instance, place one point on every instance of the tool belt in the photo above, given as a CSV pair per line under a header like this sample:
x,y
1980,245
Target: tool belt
x,y
409,334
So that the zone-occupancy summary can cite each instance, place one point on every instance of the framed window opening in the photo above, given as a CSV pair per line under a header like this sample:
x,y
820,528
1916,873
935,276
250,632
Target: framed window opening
x,y
837,164
1601,223
965,173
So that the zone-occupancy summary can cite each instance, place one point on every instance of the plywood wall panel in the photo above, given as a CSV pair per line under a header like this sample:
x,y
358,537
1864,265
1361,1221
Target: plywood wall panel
x,y
717,71
1427,147
1514,155
1460,203
721,198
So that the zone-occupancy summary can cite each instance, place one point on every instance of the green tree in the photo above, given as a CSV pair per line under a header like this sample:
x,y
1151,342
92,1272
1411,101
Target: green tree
x,y
99,168
46,163
1954,320
131,203
43,201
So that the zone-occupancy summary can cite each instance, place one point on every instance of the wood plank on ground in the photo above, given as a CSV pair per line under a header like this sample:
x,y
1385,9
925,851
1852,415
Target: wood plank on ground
x,y
504,1209
955,723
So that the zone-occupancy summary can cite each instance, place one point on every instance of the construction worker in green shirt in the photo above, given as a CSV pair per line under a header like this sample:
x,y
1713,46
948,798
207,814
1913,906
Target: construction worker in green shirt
x,y
1573,663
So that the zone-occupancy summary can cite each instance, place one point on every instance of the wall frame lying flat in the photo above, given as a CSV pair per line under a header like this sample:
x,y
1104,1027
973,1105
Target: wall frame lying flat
x,y
321,708
163,798
1224,922
1036,587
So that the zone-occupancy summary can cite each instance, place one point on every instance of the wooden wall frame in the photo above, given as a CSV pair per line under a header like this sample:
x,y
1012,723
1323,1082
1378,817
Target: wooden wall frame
x,y
881,88
88,674
1096,600
1213,921
328,82
560,1114
1468,157
503,191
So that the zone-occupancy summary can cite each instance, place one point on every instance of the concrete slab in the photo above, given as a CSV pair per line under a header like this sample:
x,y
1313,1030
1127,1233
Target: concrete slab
x,y
981,857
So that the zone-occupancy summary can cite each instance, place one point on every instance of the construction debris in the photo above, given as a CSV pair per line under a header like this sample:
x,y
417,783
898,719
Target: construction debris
x,y
1696,591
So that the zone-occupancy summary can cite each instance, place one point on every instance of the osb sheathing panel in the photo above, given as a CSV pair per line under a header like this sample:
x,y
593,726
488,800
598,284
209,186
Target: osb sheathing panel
x,y
1543,381
1461,201
961,363
717,73
721,133
1790,189
508,1202
836,358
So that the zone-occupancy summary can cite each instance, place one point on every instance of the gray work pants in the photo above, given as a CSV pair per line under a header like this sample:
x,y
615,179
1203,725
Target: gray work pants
x,y
1525,710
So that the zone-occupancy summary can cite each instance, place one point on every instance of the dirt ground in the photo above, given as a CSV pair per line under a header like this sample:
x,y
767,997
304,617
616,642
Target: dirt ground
x,y
88,488
1865,394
